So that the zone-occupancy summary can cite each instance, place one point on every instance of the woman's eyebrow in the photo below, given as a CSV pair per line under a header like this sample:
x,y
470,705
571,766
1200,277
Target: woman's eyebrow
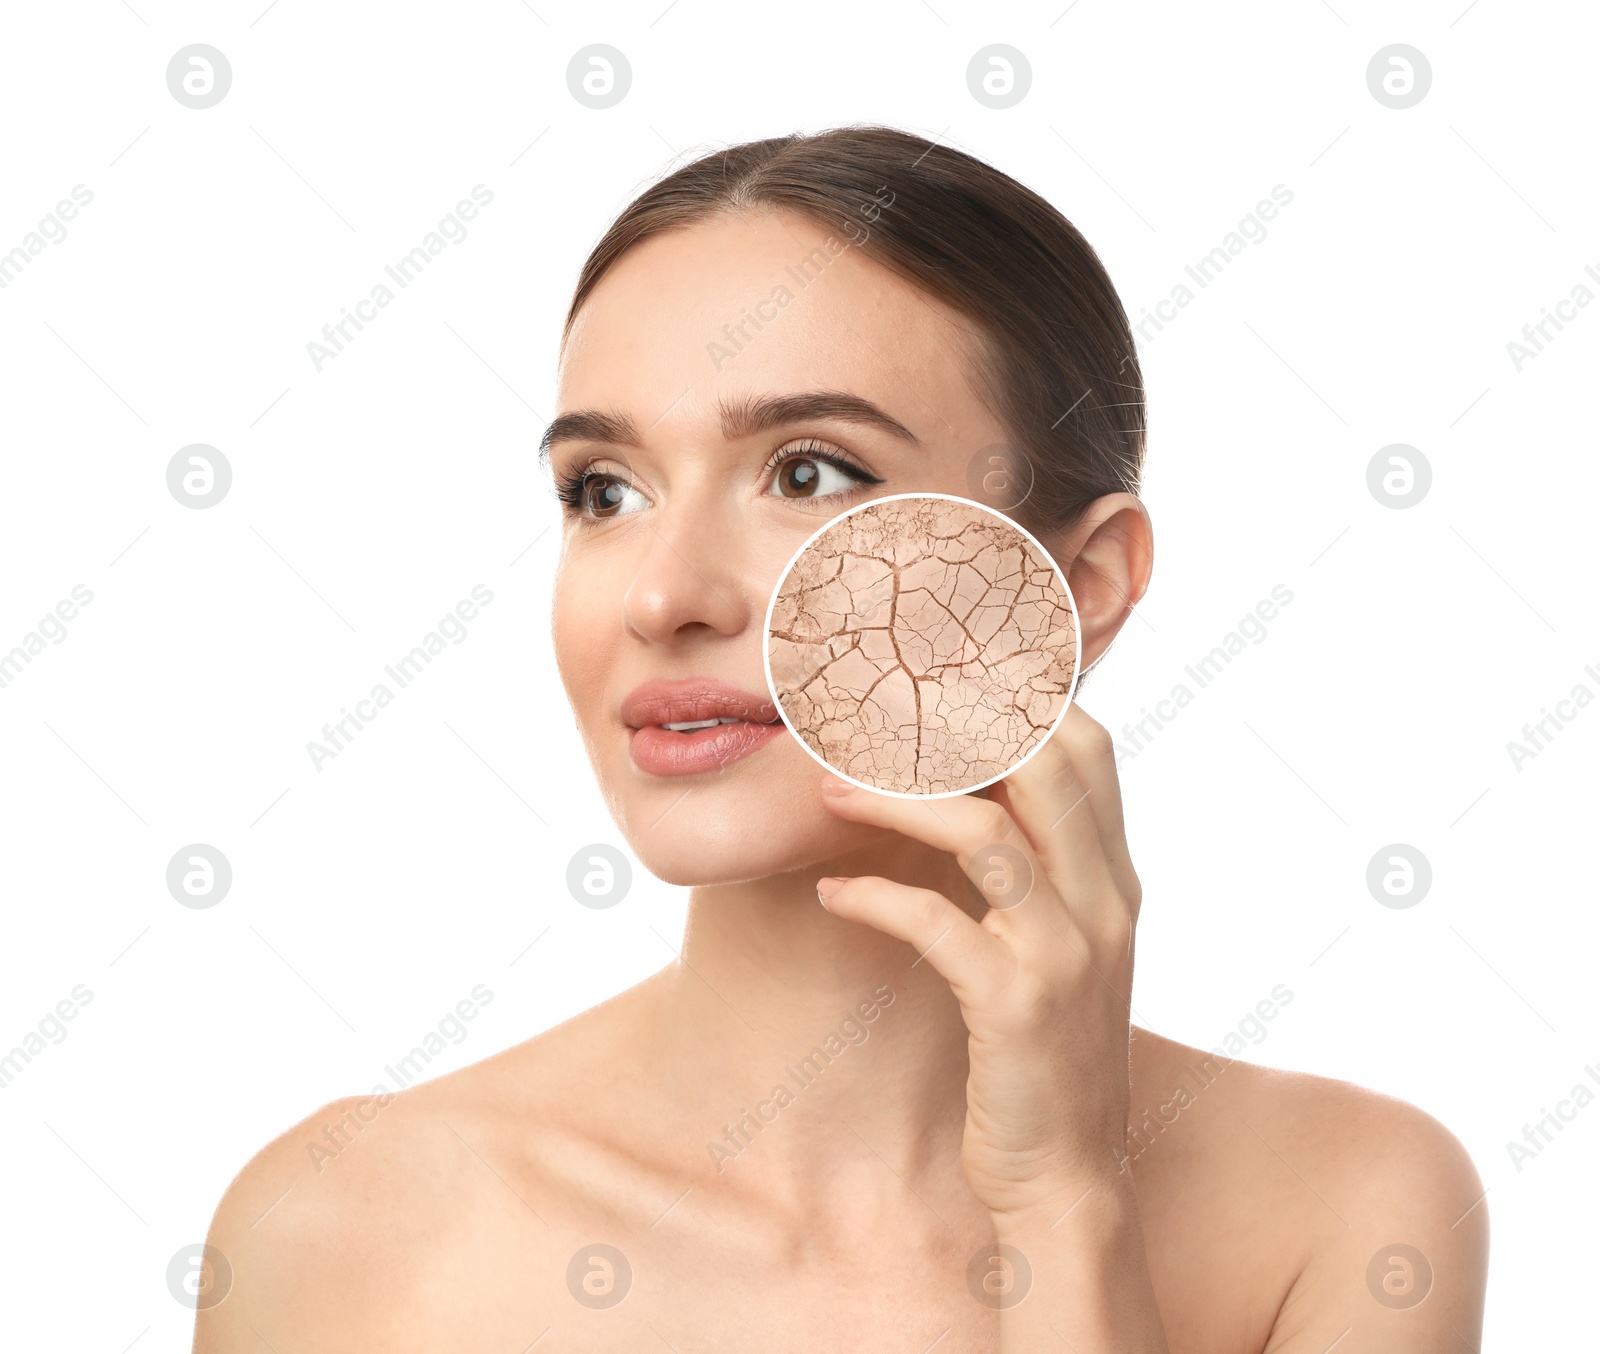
x,y
740,418
588,425
751,414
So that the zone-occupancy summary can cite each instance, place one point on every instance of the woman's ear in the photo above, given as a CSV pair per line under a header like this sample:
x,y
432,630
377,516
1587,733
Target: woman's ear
x,y
1107,557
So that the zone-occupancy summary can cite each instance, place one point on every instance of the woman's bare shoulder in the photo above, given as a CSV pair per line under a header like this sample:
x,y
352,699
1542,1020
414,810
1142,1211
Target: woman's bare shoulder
x,y
1339,1198
1343,1129
368,1200
319,1222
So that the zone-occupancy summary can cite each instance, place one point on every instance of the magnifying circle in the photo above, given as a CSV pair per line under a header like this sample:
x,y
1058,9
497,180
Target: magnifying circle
x,y
922,645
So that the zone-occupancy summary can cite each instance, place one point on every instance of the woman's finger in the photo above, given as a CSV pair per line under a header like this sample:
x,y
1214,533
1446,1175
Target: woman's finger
x,y
1055,807
973,961
1094,754
1067,799
1087,745
987,843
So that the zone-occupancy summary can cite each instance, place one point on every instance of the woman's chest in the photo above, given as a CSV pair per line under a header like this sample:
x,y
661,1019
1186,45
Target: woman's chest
x,y
584,1284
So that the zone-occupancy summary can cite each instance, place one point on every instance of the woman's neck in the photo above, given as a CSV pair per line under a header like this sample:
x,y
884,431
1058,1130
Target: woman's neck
x,y
834,1055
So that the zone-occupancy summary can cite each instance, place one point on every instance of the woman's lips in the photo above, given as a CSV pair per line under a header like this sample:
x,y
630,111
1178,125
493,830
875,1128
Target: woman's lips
x,y
661,752
751,723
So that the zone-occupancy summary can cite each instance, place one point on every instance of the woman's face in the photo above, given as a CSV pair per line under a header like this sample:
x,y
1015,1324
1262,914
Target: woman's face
x,y
727,389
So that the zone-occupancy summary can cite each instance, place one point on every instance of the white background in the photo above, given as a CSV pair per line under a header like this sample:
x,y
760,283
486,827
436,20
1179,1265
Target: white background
x,y
368,498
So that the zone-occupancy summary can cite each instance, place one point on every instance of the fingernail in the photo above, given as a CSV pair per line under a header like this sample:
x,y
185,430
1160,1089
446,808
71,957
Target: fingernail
x,y
827,887
830,786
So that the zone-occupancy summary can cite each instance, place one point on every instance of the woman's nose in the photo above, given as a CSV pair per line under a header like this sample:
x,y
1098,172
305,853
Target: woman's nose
x,y
688,575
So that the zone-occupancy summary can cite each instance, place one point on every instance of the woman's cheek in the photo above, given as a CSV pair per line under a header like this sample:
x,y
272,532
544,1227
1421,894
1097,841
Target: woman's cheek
x,y
579,616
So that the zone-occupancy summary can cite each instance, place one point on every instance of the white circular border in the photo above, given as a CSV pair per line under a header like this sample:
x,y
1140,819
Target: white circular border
x,y
766,645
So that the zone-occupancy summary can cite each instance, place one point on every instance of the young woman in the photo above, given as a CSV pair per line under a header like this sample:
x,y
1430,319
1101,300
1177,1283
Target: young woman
x,y
863,1110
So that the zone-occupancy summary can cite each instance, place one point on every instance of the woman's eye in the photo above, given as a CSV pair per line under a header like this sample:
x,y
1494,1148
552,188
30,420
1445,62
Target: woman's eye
x,y
603,496
811,477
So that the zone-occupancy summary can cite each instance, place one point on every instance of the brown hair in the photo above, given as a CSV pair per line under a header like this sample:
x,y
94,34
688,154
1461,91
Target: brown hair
x,y
1059,355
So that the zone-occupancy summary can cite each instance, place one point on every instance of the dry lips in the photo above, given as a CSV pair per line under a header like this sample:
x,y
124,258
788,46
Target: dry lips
x,y
744,723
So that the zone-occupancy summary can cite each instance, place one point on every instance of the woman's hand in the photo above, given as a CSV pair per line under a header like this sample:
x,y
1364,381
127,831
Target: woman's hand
x,y
1043,978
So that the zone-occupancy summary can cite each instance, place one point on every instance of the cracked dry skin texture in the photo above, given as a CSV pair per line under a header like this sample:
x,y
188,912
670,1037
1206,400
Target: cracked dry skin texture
x,y
922,646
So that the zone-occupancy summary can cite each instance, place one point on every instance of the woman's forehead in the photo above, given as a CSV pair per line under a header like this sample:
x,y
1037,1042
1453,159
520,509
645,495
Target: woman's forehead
x,y
770,302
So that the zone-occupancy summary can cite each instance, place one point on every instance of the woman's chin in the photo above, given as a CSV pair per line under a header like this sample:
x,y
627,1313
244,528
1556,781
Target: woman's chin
x,y
738,848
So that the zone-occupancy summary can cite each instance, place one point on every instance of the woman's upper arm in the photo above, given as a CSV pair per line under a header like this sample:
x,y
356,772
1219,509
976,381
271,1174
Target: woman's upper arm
x,y
289,1246
1403,1261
